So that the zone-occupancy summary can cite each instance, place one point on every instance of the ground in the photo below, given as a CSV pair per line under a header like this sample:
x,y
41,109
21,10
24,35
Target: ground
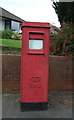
x,y
60,106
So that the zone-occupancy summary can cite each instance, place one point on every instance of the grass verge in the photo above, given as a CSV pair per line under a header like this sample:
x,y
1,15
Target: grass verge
x,y
10,43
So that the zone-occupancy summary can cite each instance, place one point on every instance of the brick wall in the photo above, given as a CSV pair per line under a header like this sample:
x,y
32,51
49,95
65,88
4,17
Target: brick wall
x,y
60,73
11,73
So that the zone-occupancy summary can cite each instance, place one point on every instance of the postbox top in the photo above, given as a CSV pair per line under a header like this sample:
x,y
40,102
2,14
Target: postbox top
x,y
36,24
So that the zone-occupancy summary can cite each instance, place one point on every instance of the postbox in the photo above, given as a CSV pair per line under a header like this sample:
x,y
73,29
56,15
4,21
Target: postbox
x,y
34,65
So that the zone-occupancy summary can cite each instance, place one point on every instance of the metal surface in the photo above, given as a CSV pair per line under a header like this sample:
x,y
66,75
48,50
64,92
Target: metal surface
x,y
34,63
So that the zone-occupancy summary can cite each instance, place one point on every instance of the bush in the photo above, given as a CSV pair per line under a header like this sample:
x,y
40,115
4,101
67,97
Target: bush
x,y
16,36
62,43
0,34
6,34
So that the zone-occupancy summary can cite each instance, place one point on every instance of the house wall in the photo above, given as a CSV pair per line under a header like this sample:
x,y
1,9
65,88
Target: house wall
x,y
13,25
2,24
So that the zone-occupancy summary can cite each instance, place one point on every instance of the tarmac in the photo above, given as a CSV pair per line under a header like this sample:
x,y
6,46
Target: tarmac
x,y
59,106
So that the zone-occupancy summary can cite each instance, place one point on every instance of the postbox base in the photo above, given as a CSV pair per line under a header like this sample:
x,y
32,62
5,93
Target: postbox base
x,y
34,106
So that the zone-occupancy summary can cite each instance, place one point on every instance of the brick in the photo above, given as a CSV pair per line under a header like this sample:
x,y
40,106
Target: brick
x,y
60,73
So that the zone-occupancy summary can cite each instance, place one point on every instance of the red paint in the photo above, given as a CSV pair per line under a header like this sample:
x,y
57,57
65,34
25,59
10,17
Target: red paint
x,y
34,63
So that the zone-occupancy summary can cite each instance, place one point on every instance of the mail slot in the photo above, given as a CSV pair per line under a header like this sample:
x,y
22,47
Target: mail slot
x,y
34,66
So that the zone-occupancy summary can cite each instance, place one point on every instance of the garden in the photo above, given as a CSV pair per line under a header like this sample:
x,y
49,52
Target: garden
x,y
10,42
61,44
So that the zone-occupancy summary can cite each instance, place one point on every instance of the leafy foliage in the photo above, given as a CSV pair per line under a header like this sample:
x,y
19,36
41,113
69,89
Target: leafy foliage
x,y
63,43
0,34
65,11
16,36
6,34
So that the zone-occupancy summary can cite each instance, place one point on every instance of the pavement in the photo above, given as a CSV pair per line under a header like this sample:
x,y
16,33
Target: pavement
x,y
60,106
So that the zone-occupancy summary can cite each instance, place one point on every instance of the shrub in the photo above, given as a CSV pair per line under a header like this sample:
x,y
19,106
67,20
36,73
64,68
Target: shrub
x,y
0,34
16,36
62,43
6,34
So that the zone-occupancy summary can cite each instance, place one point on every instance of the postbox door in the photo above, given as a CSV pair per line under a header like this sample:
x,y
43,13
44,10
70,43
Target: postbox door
x,y
35,59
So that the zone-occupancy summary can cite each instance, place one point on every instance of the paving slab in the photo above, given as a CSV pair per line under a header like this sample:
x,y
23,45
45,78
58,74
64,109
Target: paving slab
x,y
60,106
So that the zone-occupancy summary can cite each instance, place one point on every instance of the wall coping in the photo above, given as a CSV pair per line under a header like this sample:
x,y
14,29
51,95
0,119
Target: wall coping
x,y
49,55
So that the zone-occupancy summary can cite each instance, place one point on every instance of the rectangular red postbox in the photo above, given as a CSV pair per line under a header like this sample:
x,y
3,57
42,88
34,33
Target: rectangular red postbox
x,y
34,65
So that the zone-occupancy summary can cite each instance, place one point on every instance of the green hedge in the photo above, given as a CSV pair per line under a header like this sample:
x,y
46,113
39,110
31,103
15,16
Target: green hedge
x,y
6,34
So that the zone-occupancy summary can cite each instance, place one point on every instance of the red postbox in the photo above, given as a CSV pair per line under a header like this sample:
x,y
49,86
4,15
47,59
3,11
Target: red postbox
x,y
34,65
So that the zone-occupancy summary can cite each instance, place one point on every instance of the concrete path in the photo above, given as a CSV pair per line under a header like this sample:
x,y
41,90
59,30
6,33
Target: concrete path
x,y
60,106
